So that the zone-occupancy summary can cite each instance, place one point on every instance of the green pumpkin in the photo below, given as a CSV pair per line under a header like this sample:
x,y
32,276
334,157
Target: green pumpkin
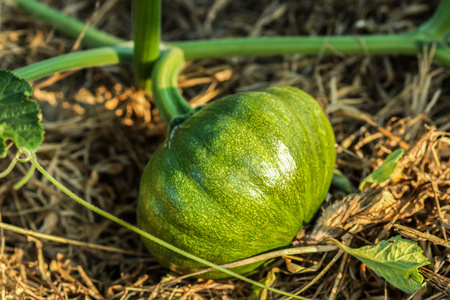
x,y
238,178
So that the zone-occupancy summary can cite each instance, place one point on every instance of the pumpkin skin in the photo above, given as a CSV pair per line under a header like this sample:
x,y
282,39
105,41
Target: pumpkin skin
x,y
238,178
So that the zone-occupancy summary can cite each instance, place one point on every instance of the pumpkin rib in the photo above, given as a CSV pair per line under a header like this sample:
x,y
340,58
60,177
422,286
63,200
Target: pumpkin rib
x,y
321,139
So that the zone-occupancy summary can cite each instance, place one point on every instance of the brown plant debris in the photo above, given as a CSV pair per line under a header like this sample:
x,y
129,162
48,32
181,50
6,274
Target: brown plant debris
x,y
100,133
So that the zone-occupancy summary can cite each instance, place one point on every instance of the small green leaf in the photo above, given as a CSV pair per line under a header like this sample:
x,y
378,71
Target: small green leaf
x,y
340,183
397,260
19,116
385,171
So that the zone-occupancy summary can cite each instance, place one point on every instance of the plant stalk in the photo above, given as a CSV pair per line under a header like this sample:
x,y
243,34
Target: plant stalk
x,y
337,45
363,45
439,23
435,27
168,99
147,36
434,30
67,25
76,60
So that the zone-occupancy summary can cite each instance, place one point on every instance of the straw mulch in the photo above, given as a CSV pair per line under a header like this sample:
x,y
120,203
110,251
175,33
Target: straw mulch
x,y
100,132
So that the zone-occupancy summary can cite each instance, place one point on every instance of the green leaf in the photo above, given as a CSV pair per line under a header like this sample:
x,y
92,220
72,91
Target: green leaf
x,y
397,260
385,171
19,116
340,184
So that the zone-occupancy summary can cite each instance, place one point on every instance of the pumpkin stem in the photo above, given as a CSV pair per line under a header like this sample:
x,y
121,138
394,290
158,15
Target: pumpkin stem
x,y
437,27
147,37
168,99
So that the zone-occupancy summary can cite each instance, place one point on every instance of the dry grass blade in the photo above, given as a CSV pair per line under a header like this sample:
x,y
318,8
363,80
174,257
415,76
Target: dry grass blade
x,y
440,282
62,240
417,235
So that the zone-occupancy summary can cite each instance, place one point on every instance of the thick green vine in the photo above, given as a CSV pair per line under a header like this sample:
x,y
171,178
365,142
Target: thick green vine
x,y
411,43
147,35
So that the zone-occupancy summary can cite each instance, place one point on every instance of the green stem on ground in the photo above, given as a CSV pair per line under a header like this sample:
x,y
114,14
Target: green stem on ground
x,y
147,36
127,225
443,55
76,60
168,100
319,45
407,43
439,23
25,179
363,45
10,167
70,26
436,26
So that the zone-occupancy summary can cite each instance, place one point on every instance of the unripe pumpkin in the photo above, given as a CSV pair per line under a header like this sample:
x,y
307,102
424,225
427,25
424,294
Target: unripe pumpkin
x,y
238,178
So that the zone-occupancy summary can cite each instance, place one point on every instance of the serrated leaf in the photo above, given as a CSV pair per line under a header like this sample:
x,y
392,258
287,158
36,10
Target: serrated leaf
x,y
385,171
397,260
19,116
